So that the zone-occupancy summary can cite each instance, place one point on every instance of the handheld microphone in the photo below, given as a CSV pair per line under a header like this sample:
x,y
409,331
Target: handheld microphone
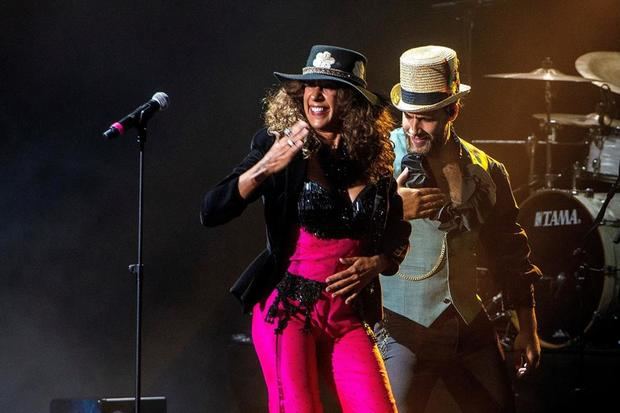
x,y
159,101
420,174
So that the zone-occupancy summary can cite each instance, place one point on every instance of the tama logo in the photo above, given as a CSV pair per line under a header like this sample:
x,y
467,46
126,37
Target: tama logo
x,y
556,218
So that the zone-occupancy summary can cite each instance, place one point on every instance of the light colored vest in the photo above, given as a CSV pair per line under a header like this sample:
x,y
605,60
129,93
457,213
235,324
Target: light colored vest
x,y
420,290
426,283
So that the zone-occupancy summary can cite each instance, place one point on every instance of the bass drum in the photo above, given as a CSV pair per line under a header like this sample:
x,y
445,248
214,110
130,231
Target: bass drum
x,y
580,273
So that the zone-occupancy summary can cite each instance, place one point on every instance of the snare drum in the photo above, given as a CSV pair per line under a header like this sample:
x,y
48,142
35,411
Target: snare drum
x,y
580,274
604,156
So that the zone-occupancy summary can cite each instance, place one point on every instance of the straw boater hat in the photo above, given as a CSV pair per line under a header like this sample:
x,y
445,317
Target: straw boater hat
x,y
429,80
335,64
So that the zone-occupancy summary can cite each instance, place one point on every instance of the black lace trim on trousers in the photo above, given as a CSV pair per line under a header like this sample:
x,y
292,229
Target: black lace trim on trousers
x,y
296,295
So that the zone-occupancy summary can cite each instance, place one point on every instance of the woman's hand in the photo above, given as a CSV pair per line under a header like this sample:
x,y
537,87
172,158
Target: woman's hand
x,y
277,157
361,271
419,202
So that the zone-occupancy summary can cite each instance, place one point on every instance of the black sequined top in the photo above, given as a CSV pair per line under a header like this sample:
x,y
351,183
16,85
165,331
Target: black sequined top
x,y
330,213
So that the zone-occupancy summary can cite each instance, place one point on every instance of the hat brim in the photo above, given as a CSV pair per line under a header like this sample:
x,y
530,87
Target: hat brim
x,y
396,98
370,96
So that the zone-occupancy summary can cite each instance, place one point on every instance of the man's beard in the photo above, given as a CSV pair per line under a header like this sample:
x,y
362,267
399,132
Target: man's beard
x,y
425,148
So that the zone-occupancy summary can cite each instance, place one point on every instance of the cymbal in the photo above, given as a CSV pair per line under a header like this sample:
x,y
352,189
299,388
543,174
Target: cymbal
x,y
601,66
569,119
551,75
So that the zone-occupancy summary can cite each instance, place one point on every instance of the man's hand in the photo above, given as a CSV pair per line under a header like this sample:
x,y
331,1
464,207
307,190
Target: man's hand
x,y
419,202
361,271
527,344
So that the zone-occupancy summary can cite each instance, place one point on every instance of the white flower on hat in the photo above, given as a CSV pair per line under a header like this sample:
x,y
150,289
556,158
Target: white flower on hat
x,y
323,59
359,70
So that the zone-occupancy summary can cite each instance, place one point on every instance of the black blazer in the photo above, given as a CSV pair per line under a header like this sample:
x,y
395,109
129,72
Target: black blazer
x,y
279,193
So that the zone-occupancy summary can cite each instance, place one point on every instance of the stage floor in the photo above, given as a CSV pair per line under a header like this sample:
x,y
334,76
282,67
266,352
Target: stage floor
x,y
568,380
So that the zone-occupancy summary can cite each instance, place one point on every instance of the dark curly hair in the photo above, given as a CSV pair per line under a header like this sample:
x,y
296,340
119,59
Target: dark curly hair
x,y
365,128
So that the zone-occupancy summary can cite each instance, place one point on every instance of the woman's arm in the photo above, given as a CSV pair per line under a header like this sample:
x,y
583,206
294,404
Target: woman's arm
x,y
277,158
248,180
393,244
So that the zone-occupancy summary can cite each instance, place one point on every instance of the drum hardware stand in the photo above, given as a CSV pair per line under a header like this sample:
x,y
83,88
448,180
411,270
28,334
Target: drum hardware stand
x,y
501,312
496,315
606,109
549,128
577,168
531,153
599,142
580,341
549,142
495,309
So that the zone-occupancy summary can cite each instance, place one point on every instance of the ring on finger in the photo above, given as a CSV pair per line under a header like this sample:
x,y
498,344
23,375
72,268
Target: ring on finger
x,y
287,132
290,143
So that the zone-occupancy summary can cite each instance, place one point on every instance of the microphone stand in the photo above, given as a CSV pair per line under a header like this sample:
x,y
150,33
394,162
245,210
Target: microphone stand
x,y
138,268
468,17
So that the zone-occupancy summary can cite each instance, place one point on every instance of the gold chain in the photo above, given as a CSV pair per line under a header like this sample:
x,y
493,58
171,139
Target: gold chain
x,y
420,277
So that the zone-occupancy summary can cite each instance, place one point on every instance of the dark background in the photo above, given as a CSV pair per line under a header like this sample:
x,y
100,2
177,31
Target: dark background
x,y
68,206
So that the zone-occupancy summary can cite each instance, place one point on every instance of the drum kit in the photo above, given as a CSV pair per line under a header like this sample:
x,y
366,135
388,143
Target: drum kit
x,y
574,232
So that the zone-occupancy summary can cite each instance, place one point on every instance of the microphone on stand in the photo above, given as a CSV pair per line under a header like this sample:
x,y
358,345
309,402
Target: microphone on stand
x,y
159,101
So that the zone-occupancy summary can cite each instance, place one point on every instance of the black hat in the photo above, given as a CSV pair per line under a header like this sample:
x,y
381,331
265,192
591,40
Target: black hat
x,y
336,64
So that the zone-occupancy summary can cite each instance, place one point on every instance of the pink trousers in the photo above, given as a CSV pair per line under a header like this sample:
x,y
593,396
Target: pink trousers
x,y
337,347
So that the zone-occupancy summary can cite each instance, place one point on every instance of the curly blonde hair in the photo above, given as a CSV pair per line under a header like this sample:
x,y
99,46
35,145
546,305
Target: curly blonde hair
x,y
365,128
